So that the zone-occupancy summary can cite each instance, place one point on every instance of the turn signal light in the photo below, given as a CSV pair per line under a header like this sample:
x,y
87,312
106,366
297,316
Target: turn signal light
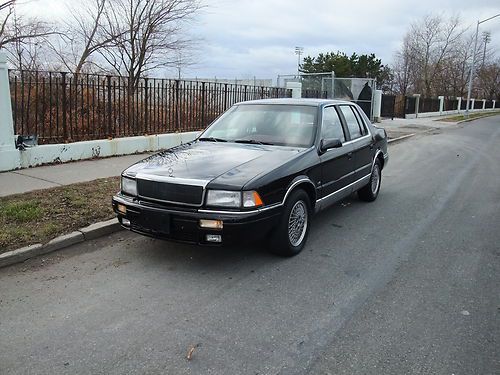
x,y
121,209
257,199
252,199
212,224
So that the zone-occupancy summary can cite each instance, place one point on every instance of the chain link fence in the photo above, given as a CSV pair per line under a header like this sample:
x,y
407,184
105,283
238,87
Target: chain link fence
x,y
327,86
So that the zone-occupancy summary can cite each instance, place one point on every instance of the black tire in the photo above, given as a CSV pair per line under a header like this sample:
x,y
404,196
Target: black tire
x,y
281,243
369,192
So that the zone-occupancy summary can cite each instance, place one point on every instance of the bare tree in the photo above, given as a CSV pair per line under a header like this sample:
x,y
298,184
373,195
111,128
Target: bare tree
x,y
22,37
432,59
149,32
489,80
86,35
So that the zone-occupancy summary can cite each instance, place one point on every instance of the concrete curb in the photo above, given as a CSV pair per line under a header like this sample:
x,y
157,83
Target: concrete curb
x,y
398,139
84,234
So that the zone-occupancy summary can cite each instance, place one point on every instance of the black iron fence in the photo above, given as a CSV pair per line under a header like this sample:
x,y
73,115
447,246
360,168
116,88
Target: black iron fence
x,y
400,105
428,105
478,104
64,107
450,104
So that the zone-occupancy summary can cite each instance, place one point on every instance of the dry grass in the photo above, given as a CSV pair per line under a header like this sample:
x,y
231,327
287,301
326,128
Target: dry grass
x,y
39,216
471,116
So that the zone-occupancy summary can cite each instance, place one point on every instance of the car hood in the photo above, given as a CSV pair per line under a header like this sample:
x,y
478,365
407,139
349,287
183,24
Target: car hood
x,y
228,165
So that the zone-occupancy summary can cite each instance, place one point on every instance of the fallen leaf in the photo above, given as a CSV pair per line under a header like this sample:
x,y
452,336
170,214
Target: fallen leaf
x,y
190,353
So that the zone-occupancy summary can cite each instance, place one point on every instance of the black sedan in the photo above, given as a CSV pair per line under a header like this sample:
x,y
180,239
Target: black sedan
x,y
262,169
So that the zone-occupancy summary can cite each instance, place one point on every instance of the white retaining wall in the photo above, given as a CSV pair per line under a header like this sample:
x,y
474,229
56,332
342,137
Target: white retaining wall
x,y
60,153
447,113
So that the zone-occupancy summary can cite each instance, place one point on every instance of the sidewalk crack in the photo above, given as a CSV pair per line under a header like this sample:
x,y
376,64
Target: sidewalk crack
x,y
37,178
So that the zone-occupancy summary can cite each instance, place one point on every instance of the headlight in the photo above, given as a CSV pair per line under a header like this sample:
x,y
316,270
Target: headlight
x,y
222,198
129,186
236,199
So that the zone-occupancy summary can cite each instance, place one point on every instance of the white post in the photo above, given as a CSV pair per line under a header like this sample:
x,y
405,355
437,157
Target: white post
x,y
494,105
9,156
484,104
6,124
377,105
296,88
472,104
459,98
417,104
441,104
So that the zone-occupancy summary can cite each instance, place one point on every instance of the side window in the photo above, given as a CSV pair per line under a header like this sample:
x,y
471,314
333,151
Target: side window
x,y
351,121
361,123
332,127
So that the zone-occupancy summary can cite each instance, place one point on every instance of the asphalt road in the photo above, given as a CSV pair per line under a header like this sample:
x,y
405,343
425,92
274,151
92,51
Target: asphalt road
x,y
409,284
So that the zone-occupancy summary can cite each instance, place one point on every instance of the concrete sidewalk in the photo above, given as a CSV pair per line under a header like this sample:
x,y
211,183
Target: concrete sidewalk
x,y
400,127
24,180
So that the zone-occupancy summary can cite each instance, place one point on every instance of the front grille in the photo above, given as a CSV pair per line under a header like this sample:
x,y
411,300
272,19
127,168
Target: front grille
x,y
170,193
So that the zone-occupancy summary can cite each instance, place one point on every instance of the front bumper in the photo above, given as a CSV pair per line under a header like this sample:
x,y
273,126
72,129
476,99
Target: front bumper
x,y
182,224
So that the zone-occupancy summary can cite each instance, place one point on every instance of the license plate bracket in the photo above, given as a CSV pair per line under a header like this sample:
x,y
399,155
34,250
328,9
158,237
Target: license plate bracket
x,y
156,221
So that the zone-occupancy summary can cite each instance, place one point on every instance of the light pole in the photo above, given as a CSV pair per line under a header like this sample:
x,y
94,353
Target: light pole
x,y
299,51
473,61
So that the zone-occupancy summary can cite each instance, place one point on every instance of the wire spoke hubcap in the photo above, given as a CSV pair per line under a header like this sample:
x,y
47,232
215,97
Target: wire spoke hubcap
x,y
297,223
375,179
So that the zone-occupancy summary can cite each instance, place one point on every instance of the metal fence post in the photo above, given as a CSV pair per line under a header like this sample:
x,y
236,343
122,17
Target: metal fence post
x,y
177,106
225,96
203,104
146,106
64,105
109,108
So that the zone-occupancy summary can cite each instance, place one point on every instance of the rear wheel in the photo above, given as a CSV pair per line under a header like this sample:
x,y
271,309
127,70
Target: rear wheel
x,y
290,236
370,192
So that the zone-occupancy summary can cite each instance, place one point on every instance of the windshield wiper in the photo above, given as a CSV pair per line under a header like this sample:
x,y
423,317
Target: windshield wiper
x,y
211,139
252,142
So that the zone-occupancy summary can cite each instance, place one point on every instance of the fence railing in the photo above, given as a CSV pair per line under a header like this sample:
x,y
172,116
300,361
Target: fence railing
x,y
401,105
64,107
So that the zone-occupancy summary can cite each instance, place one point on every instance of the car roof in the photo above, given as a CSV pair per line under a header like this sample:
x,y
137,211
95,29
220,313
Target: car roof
x,y
291,101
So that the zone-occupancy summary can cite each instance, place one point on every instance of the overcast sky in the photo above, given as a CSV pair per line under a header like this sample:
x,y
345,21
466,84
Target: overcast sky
x,y
246,38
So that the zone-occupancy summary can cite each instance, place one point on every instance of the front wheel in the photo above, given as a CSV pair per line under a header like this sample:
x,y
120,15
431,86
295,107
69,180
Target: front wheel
x,y
290,236
370,192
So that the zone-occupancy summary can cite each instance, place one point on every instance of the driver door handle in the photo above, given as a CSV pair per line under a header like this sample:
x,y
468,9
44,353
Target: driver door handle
x,y
349,155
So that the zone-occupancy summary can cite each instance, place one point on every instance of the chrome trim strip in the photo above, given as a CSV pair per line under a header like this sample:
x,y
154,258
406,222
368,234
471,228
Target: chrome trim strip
x,y
358,139
375,158
174,202
295,184
344,188
363,167
258,210
172,180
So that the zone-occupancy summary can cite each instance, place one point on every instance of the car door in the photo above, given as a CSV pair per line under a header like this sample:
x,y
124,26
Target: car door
x,y
337,167
360,140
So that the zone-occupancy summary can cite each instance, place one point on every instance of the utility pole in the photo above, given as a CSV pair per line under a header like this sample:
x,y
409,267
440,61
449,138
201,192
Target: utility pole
x,y
471,76
299,51
486,40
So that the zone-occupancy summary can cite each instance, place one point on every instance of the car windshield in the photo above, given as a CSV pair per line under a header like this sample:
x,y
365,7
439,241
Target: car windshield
x,y
274,124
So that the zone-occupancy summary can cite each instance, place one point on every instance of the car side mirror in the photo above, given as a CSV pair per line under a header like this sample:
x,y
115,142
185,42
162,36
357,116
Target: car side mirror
x,y
329,143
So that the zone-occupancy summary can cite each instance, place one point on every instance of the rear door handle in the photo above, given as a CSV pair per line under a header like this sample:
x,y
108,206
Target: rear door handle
x,y
349,155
